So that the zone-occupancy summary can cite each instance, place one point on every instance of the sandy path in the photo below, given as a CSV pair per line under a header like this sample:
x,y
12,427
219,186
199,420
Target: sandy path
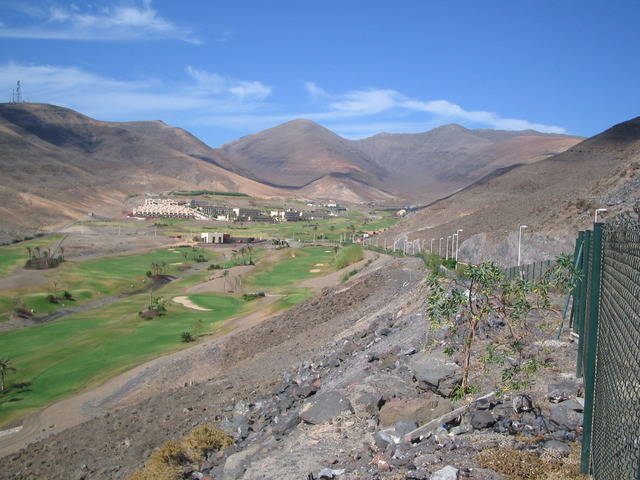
x,y
23,278
186,302
318,283
216,285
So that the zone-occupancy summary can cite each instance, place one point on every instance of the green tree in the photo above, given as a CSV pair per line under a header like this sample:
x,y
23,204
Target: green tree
x,y
5,368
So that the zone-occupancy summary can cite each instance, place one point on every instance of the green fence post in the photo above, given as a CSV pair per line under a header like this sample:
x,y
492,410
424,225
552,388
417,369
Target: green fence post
x,y
577,252
582,310
591,344
577,256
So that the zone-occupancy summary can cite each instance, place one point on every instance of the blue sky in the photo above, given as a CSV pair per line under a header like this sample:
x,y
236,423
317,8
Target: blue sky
x,y
224,69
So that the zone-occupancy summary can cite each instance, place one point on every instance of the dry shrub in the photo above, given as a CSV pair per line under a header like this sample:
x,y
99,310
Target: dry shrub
x,y
204,439
521,465
170,460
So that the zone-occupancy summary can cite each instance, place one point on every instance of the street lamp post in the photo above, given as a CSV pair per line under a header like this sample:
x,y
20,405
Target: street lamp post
x,y
522,227
598,210
440,246
458,242
431,246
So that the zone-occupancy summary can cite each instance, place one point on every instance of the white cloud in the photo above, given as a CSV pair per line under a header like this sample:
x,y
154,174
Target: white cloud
x,y
447,109
315,91
215,83
369,102
112,99
203,99
124,22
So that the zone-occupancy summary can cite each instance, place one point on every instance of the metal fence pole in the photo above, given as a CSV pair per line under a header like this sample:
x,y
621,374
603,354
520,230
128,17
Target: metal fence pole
x,y
582,304
591,344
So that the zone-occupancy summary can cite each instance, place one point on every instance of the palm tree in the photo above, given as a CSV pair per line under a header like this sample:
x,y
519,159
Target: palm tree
x,y
5,368
225,274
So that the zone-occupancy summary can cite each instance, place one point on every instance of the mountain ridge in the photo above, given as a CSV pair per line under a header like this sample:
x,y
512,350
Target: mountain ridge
x,y
58,164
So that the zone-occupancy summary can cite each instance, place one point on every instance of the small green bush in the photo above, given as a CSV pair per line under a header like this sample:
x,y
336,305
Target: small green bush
x,y
252,296
346,256
187,337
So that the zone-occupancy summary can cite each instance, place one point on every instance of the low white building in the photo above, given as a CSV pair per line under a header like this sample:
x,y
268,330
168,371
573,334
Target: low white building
x,y
212,237
277,214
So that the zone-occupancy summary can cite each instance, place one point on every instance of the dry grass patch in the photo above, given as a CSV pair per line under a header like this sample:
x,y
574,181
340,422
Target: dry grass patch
x,y
521,465
171,459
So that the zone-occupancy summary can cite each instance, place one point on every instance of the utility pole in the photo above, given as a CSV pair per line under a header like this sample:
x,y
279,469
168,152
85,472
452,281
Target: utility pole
x,y
520,242
458,242
598,210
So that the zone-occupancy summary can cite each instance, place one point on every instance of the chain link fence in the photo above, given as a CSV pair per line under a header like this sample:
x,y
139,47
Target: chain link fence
x,y
531,272
606,316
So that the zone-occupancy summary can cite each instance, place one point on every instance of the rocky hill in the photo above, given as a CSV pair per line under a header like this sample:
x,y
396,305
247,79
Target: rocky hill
x,y
554,197
432,164
57,165
417,167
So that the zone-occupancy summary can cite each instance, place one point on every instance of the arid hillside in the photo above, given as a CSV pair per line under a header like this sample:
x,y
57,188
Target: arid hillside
x,y
432,164
417,167
57,165
554,198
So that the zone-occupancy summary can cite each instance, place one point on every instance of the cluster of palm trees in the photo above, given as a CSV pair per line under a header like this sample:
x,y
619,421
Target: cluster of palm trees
x,y
157,269
242,253
41,259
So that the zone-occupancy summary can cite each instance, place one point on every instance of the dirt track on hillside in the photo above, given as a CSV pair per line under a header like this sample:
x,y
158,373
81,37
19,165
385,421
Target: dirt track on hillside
x,y
211,374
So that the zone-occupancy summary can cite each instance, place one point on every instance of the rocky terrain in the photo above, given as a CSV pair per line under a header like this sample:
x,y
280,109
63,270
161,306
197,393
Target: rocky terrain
x,y
353,384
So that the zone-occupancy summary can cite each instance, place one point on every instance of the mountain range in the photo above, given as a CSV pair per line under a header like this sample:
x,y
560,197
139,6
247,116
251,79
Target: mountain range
x,y
57,164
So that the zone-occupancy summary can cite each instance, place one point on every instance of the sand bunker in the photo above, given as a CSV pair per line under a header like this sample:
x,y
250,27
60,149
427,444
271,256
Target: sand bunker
x,y
314,270
319,265
176,263
184,301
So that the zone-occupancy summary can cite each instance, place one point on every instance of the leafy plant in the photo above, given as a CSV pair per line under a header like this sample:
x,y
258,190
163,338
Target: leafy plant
x,y
5,367
187,337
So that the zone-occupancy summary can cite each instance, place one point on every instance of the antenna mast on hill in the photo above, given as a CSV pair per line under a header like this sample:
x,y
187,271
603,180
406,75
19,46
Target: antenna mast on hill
x,y
16,93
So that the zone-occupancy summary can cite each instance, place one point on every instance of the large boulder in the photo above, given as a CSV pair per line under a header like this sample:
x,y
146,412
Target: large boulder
x,y
435,372
565,416
446,473
419,410
482,419
368,394
325,407
236,464
563,389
